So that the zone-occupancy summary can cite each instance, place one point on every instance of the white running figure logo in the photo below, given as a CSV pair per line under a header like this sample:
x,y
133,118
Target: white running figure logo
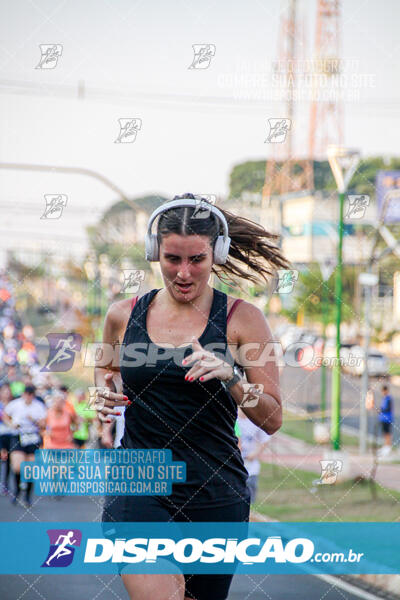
x,y
62,550
62,354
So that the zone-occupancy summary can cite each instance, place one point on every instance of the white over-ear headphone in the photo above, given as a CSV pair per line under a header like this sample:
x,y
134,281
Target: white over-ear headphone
x,y
222,243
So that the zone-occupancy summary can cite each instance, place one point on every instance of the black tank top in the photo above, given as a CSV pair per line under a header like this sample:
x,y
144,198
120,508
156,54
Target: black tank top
x,y
194,420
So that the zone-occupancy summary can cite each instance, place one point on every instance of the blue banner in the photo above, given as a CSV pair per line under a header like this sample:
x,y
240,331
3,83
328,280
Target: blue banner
x,y
291,548
121,472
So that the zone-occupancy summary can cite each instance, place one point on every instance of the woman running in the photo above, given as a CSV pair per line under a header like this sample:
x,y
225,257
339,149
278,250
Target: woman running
x,y
60,420
27,415
190,407
6,436
87,419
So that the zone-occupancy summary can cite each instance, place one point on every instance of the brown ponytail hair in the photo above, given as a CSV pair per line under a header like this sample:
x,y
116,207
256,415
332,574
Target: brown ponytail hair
x,y
251,244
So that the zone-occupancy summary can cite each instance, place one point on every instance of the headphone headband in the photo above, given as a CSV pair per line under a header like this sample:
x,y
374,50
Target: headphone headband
x,y
221,245
187,202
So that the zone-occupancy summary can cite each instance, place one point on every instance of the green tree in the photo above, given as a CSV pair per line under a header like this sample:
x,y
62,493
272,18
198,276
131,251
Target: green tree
x,y
114,250
249,176
307,295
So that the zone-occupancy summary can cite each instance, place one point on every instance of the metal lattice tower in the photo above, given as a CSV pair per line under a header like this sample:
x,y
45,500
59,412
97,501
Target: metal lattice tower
x,y
283,172
326,116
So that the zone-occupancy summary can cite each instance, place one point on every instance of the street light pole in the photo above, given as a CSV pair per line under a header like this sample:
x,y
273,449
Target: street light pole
x,y
323,366
338,158
326,267
335,432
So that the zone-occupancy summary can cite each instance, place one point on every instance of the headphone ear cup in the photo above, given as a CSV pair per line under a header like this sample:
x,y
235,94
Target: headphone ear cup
x,y
151,247
221,249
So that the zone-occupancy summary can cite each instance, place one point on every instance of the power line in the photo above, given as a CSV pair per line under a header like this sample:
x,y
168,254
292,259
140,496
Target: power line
x,y
70,171
23,235
16,207
123,97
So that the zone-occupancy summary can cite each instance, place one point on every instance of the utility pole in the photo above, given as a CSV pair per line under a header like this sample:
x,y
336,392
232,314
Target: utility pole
x,y
327,266
343,163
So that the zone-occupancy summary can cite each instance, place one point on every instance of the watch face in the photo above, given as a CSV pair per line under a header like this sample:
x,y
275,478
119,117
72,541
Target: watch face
x,y
237,371
234,379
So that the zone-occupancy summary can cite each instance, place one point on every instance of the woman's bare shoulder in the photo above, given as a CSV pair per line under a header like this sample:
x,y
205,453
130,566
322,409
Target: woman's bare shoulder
x,y
246,309
231,300
245,315
119,312
235,324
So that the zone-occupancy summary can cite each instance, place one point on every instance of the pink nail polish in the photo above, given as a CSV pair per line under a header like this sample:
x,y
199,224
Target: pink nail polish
x,y
201,378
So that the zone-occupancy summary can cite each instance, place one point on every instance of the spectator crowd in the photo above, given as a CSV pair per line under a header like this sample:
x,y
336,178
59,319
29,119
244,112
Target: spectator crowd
x,y
36,409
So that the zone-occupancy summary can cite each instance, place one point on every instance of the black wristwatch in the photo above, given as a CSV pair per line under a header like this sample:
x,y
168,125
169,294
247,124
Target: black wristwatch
x,y
237,376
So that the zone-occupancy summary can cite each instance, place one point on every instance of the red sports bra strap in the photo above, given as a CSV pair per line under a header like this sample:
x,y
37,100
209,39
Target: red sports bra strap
x,y
134,300
233,307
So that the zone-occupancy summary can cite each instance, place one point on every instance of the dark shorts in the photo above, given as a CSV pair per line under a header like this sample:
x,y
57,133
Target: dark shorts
x,y
27,448
79,443
386,427
6,441
151,509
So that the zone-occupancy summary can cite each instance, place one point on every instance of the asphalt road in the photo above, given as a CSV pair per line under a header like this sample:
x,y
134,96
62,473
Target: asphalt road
x,y
106,587
301,388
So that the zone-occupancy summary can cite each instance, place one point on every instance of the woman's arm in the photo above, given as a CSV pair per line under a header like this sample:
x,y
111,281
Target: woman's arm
x,y
255,352
75,419
8,420
259,451
257,356
41,423
108,376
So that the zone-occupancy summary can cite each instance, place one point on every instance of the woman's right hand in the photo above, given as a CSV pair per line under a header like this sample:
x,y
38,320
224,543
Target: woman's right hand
x,y
107,399
107,439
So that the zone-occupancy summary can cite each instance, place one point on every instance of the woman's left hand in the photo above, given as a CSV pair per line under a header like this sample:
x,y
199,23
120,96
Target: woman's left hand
x,y
207,365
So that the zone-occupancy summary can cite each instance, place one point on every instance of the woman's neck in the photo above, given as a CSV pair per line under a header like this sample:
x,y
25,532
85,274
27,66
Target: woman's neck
x,y
198,304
